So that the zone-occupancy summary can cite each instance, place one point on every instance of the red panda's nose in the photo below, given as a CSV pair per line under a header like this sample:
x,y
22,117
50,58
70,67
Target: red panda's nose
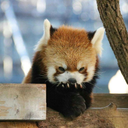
x,y
72,80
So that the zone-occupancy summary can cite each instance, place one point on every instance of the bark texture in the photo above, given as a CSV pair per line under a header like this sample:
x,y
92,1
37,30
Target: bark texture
x,y
116,32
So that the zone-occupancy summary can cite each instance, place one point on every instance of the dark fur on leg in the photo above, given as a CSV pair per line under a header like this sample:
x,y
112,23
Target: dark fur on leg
x,y
71,102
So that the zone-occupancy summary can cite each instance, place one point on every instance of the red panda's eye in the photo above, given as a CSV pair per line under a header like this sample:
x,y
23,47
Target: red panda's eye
x,y
81,69
61,69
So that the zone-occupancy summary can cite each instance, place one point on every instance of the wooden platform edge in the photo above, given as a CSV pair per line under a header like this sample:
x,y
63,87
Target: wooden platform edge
x,y
22,102
106,117
108,110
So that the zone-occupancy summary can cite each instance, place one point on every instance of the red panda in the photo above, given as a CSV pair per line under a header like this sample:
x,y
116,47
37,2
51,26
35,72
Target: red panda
x,y
66,60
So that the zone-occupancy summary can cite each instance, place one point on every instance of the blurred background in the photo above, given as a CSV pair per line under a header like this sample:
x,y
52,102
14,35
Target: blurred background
x,y
21,27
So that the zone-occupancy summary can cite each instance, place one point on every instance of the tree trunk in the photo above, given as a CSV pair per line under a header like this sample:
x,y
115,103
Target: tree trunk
x,y
116,32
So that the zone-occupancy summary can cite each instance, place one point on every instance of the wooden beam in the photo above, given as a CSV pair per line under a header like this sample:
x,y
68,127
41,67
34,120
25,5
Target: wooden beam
x,y
31,97
22,102
101,100
106,117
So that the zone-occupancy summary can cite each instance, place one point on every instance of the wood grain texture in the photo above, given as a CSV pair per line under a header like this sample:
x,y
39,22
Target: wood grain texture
x,y
100,115
101,100
15,124
106,117
22,102
116,32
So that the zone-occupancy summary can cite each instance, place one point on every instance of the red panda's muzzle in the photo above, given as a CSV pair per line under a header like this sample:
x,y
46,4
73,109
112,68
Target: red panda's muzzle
x,y
72,80
70,85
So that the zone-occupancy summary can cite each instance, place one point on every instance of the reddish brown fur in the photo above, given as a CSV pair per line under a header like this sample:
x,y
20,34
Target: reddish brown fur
x,y
27,79
67,45
75,46
72,48
38,60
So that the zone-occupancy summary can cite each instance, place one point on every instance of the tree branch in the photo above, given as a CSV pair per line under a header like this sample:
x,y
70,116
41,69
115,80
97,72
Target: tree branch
x,y
116,32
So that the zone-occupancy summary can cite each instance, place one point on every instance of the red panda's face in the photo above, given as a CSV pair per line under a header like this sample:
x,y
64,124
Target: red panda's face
x,y
68,65
70,55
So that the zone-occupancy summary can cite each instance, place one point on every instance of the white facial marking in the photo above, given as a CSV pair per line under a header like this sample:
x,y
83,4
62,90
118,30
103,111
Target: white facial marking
x,y
64,66
66,75
90,72
79,65
51,72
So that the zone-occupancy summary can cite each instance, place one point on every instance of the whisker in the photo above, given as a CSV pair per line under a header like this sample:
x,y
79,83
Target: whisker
x,y
42,75
46,81
94,85
98,87
58,85
88,83
83,86
99,73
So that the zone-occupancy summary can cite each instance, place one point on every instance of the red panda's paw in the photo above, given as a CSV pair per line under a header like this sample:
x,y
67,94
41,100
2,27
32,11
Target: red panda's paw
x,y
74,106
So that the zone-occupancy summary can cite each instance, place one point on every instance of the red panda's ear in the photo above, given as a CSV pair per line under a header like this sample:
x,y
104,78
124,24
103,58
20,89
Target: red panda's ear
x,y
48,31
90,35
97,40
52,30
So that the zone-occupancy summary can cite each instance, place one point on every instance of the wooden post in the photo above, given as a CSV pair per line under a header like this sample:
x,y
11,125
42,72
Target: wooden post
x,y
22,102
